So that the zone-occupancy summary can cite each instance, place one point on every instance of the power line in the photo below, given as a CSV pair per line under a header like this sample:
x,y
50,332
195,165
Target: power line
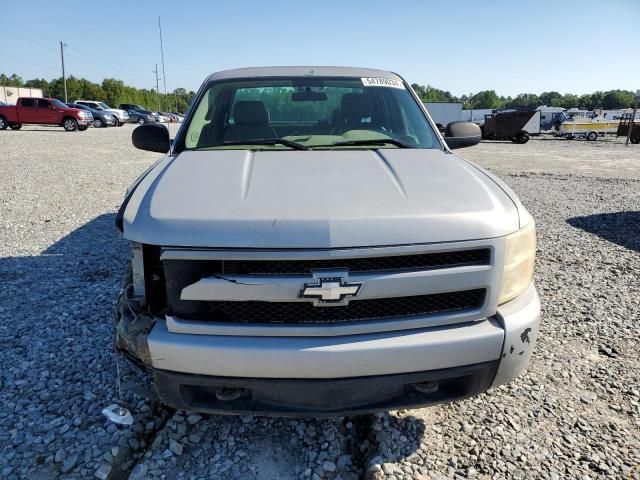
x,y
50,68
104,64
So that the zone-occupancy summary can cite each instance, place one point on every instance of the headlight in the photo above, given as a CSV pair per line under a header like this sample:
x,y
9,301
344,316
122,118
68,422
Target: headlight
x,y
137,269
81,114
519,258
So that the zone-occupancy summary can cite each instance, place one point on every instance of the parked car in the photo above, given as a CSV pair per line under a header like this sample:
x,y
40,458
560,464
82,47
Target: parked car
x,y
179,115
321,250
43,111
160,117
121,116
100,117
137,114
173,118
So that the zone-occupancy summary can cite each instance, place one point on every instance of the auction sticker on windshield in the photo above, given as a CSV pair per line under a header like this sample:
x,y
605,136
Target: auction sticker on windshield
x,y
382,82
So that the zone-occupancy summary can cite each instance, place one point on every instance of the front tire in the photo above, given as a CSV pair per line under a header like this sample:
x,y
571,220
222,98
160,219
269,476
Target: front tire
x,y
522,138
70,124
98,123
635,140
15,126
592,136
3,123
83,128
141,121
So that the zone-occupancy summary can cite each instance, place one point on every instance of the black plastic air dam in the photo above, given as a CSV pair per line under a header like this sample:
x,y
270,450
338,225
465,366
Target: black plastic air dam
x,y
321,397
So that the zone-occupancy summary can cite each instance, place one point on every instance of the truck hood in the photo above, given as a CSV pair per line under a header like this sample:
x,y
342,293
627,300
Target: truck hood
x,y
316,199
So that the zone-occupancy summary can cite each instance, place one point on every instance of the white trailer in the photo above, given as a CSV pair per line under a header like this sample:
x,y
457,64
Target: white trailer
x,y
10,95
443,113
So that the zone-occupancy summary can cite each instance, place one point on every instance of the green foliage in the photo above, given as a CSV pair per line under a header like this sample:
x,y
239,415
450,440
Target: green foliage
x,y
485,99
14,80
615,98
432,94
115,92
525,100
610,100
111,91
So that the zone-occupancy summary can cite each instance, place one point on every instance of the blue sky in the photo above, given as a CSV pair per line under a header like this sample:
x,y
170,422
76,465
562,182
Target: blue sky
x,y
464,46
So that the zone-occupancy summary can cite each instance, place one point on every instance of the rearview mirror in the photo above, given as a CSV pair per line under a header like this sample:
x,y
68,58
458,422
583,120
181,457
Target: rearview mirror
x,y
308,96
153,137
462,134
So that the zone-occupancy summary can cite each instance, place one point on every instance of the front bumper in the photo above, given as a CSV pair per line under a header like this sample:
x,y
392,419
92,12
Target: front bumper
x,y
343,374
85,121
330,397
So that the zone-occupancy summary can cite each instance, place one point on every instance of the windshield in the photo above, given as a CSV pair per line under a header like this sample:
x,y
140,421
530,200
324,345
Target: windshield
x,y
104,105
58,103
318,112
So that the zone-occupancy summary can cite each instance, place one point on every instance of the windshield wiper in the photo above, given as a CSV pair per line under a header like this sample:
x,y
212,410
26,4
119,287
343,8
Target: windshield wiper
x,y
373,141
266,141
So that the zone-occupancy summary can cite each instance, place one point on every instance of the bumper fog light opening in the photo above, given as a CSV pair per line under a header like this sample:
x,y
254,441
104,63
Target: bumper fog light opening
x,y
225,394
426,387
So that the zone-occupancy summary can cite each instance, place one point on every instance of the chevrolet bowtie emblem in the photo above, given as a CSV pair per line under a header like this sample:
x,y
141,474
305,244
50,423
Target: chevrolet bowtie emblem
x,y
330,291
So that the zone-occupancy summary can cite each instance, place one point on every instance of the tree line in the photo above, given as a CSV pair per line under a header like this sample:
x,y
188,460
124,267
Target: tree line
x,y
111,91
609,100
115,92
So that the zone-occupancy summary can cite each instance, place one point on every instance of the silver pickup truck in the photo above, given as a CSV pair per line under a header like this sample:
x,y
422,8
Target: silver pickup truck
x,y
310,245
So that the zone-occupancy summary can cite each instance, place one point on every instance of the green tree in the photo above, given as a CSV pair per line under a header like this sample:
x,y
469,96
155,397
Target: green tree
x,y
11,81
617,99
40,83
525,100
485,99
567,101
549,98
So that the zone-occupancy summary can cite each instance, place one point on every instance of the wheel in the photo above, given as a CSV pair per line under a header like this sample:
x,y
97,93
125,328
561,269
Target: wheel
x,y
635,140
522,138
15,126
82,128
117,124
3,123
141,120
98,123
120,124
70,124
592,136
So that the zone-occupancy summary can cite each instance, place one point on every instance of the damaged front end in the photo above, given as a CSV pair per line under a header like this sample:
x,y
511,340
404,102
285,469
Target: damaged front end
x,y
133,325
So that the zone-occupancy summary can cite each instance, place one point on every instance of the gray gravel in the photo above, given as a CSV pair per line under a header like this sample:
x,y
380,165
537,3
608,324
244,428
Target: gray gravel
x,y
574,414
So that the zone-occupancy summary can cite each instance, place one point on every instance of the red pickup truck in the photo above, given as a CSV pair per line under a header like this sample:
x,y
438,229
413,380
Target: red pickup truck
x,y
43,111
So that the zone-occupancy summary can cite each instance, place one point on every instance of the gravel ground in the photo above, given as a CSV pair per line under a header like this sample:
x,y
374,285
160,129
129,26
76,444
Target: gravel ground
x,y
574,414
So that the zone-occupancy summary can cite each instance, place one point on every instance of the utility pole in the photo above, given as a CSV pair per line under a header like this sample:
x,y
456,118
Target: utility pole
x,y
64,78
633,118
157,86
164,77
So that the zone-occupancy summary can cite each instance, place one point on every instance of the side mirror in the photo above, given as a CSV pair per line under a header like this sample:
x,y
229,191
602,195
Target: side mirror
x,y
153,137
462,134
